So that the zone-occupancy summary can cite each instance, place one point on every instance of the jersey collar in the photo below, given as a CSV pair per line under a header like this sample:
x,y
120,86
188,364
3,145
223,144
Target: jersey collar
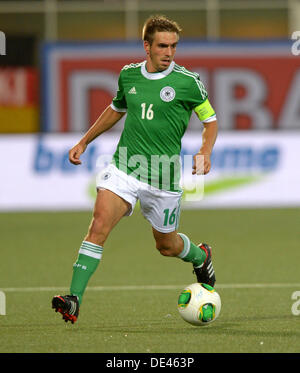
x,y
159,75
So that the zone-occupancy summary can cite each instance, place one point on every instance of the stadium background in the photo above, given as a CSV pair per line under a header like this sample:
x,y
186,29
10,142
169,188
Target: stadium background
x,y
60,70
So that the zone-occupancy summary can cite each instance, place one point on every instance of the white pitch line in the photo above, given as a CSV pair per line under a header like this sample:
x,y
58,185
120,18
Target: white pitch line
x,y
148,287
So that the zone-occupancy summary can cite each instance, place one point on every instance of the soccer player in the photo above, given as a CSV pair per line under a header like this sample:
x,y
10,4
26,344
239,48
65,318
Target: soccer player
x,y
158,96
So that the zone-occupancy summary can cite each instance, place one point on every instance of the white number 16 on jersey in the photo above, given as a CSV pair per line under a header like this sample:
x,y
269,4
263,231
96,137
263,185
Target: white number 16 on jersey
x,y
147,113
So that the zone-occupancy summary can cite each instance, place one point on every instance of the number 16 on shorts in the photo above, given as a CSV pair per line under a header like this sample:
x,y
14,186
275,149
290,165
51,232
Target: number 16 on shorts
x,y
170,217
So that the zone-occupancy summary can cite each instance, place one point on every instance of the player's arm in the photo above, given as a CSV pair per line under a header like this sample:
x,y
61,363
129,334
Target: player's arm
x,y
106,120
202,163
206,114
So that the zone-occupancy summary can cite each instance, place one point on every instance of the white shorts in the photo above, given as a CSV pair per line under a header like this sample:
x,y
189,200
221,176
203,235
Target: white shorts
x,y
160,207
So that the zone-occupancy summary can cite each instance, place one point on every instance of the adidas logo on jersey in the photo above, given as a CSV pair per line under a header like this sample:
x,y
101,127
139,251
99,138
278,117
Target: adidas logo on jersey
x,y
132,91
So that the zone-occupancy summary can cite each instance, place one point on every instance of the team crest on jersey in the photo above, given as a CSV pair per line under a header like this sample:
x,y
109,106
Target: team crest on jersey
x,y
167,94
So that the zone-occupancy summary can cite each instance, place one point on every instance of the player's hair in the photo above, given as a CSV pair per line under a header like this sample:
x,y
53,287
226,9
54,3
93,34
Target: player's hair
x,y
158,23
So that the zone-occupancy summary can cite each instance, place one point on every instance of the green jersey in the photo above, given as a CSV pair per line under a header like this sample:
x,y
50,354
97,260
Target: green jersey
x,y
159,106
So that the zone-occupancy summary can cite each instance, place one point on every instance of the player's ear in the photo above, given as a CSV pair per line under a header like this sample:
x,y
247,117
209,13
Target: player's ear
x,y
147,47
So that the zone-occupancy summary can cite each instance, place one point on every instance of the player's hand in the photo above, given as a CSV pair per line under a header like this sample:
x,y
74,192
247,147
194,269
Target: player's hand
x,y
75,153
201,164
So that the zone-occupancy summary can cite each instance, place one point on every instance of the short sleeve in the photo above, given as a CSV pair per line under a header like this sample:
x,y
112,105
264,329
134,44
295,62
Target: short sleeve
x,y
197,93
198,101
119,101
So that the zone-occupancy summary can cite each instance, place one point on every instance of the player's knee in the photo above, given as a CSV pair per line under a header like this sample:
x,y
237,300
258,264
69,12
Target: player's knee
x,y
165,248
98,230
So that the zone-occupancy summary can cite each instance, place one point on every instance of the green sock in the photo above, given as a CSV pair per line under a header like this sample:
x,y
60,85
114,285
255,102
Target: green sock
x,y
191,252
87,261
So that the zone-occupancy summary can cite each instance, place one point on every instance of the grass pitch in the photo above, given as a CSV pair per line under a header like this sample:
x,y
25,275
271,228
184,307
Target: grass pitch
x,y
131,302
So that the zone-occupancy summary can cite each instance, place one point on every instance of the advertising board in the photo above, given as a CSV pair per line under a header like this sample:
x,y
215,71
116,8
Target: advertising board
x,y
249,169
252,86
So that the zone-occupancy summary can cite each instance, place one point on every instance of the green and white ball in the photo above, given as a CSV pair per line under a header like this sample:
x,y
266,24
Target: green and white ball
x,y
199,304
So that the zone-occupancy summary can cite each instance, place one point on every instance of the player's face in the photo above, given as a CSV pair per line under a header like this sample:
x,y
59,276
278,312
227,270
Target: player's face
x,y
162,50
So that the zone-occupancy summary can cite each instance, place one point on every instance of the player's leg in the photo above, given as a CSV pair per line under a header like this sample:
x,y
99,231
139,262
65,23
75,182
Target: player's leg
x,y
162,210
168,244
179,245
109,208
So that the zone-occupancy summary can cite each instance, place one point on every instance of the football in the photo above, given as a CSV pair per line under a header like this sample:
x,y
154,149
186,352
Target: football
x,y
199,304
